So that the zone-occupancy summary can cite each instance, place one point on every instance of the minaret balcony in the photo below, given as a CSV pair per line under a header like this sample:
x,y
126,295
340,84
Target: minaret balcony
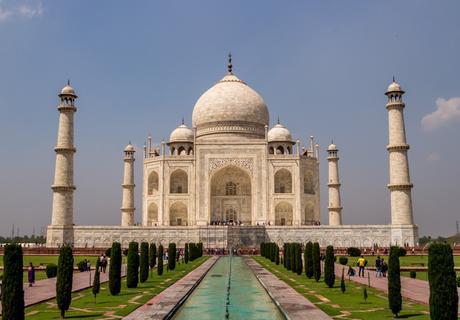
x,y
404,186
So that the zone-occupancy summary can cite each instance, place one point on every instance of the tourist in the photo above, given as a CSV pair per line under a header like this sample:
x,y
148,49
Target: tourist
x,y
351,271
378,267
104,263
361,264
31,274
384,268
101,262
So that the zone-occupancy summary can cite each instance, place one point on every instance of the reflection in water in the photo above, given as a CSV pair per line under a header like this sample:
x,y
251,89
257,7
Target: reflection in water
x,y
247,299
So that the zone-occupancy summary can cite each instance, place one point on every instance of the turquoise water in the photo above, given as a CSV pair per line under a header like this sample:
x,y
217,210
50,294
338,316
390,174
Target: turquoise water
x,y
247,299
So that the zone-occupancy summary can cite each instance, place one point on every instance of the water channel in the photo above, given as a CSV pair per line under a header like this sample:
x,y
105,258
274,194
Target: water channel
x,y
229,291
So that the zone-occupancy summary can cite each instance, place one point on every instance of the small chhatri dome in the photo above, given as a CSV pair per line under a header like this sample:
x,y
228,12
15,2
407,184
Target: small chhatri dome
x,y
279,133
181,134
129,147
68,90
394,87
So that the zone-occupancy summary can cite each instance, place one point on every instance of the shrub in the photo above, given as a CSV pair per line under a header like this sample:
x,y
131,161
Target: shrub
x,y
329,274
277,254
51,270
115,269
402,252
353,252
365,294
394,281
308,257
441,277
343,261
284,255
125,252
152,255
144,262
108,252
413,274
81,265
200,249
186,253
192,251
172,256
64,279
160,260
96,281
316,261
132,274
458,281
342,282
12,288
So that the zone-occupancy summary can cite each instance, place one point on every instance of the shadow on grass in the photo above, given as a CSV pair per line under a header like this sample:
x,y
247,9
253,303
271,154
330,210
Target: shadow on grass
x,y
410,315
84,316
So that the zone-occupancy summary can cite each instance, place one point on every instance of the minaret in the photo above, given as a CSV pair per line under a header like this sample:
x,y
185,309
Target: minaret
x,y
335,206
127,205
400,185
63,185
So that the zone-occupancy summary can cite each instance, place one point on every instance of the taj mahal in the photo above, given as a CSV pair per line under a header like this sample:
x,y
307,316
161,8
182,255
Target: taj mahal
x,y
230,180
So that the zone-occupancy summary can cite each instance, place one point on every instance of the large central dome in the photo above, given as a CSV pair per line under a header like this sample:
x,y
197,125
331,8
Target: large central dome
x,y
230,108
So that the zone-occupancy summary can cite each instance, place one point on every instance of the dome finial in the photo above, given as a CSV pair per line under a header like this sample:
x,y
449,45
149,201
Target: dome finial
x,y
182,120
278,119
229,65
68,82
394,79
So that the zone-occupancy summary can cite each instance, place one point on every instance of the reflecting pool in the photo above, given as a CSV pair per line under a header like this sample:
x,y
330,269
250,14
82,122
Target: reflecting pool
x,y
229,291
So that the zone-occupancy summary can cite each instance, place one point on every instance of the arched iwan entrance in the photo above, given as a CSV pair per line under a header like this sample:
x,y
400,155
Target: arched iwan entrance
x,y
231,196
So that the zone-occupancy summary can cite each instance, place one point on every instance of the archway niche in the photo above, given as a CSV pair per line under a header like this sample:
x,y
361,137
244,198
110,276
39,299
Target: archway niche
x,y
283,214
231,199
283,181
152,215
309,214
178,182
152,183
178,214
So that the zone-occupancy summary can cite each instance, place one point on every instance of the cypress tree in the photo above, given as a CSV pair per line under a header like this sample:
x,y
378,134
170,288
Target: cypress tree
x,y
394,281
12,287
152,255
308,257
172,256
144,262
115,269
329,274
200,249
132,274
64,279
186,253
299,259
284,255
160,260
288,256
96,281
342,281
316,261
441,277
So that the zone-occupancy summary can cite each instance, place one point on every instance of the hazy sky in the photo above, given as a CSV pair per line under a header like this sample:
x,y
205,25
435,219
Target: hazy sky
x,y
139,66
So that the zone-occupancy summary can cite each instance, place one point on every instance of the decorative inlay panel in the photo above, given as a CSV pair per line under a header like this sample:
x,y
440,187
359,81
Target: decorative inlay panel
x,y
245,163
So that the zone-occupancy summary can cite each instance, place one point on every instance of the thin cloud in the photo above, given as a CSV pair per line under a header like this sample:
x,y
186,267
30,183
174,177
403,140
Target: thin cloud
x,y
9,10
447,113
434,156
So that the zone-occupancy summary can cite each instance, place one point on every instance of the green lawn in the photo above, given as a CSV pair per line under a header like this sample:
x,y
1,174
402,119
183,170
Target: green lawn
x,y
349,305
84,307
407,261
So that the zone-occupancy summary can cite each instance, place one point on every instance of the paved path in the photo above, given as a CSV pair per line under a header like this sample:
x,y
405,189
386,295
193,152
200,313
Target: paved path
x,y
46,289
292,304
412,289
160,305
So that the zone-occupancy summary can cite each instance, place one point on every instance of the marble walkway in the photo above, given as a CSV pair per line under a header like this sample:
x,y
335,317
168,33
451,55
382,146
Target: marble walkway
x,y
46,289
163,303
292,303
412,289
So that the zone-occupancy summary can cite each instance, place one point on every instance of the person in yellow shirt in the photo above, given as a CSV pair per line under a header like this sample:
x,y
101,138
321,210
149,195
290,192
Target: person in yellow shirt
x,y
361,264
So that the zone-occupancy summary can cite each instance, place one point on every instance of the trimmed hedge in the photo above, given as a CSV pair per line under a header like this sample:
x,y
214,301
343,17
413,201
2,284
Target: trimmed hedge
x,y
115,269
308,257
144,262
394,281
64,279
51,270
160,260
343,261
354,252
329,274
186,253
441,277
316,261
12,287
152,255
132,274
172,256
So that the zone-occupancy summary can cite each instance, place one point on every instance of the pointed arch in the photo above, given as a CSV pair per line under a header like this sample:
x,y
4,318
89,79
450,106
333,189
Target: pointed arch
x,y
283,181
178,182
152,214
283,214
308,184
178,214
152,183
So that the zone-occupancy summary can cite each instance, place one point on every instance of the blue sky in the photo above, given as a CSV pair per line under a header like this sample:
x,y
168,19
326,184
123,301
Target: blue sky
x,y
139,67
